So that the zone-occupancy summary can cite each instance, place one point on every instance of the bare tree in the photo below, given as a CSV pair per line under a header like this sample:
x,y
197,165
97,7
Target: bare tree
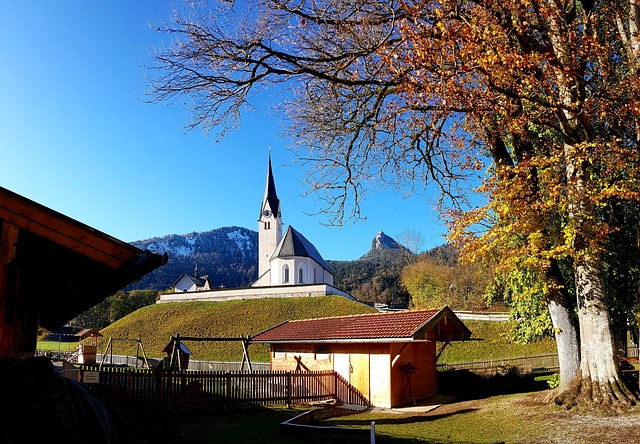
x,y
343,108
413,242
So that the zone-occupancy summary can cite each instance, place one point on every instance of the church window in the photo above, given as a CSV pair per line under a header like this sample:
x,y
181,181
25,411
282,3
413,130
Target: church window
x,y
285,274
267,225
315,275
301,275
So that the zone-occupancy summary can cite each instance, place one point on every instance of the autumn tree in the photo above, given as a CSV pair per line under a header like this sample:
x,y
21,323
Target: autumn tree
x,y
541,95
431,284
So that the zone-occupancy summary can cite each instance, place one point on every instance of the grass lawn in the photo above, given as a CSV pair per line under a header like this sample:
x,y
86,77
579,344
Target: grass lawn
x,y
260,426
491,340
514,418
55,345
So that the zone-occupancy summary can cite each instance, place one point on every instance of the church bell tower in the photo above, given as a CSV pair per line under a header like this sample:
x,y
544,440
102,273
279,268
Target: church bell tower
x,y
269,224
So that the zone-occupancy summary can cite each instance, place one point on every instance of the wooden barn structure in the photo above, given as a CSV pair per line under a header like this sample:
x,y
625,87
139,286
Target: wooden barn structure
x,y
390,358
53,268
90,340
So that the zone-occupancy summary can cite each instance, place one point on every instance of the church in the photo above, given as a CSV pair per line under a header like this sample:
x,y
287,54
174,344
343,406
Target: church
x,y
285,260
289,265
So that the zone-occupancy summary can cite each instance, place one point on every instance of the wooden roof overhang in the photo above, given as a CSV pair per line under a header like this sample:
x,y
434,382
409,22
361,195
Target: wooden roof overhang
x,y
419,326
58,267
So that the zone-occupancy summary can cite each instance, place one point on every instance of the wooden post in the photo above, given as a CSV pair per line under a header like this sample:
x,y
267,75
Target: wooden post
x,y
245,354
289,388
8,242
228,389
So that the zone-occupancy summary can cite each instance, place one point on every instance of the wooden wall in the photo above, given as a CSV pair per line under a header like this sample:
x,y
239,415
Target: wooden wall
x,y
423,381
375,370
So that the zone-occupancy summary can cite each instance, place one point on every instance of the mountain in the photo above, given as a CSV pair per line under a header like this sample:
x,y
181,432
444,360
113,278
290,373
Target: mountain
x,y
228,255
375,276
382,244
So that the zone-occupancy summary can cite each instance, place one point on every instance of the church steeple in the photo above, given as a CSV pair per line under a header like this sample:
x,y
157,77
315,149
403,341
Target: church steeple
x,y
270,202
269,223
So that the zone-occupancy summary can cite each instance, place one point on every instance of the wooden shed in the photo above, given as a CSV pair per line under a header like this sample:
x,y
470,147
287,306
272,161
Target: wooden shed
x,y
390,358
178,355
90,340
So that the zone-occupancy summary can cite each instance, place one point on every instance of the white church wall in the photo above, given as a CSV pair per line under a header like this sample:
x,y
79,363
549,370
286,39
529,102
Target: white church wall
x,y
282,291
308,266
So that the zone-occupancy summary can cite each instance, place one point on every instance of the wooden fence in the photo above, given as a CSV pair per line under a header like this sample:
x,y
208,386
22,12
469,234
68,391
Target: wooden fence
x,y
539,363
148,390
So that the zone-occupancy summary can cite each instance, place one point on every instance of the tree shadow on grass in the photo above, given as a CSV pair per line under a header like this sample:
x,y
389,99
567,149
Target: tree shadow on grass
x,y
504,381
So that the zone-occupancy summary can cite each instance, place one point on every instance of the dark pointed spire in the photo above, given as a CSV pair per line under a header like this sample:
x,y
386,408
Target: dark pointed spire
x,y
270,194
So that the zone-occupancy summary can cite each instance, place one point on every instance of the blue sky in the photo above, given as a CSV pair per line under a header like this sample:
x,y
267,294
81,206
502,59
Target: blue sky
x,y
77,136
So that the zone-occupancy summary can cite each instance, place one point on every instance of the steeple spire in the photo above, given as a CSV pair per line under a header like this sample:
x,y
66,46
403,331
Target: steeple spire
x,y
270,194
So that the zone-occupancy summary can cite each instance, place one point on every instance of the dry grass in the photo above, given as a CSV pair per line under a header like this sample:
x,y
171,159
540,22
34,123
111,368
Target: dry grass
x,y
520,418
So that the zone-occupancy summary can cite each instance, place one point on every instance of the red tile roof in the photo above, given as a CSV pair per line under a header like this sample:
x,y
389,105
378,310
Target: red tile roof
x,y
393,326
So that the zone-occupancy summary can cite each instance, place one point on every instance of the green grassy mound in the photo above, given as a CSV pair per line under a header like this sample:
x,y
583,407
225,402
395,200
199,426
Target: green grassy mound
x,y
490,340
155,324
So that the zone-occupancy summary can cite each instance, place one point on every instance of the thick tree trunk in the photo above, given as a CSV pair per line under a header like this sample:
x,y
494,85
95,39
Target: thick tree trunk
x,y
565,325
598,384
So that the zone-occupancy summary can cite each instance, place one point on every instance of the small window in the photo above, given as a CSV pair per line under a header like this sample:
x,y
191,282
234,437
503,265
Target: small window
x,y
322,354
315,275
301,275
279,352
285,274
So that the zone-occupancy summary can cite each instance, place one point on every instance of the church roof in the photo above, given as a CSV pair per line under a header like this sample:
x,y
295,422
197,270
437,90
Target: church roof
x,y
270,195
295,244
200,282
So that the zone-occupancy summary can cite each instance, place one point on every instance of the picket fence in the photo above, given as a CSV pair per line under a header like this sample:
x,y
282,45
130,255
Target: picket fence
x,y
149,390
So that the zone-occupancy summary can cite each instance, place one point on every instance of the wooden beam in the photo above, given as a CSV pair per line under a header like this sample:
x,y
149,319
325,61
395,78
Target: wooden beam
x,y
441,350
404,347
8,242
63,230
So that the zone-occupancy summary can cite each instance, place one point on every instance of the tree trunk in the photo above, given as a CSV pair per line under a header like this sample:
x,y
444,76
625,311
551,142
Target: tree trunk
x,y
598,384
565,326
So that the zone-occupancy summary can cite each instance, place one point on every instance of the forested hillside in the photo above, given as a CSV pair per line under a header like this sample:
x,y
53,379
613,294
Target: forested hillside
x,y
228,255
375,277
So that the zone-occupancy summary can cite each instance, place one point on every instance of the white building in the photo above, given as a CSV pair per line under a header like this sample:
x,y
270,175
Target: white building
x,y
186,282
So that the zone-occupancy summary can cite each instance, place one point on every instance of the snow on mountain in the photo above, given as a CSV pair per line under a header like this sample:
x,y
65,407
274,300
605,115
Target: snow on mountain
x,y
228,255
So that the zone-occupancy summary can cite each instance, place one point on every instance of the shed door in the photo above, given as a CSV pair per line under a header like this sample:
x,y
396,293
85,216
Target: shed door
x,y
360,372
354,368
